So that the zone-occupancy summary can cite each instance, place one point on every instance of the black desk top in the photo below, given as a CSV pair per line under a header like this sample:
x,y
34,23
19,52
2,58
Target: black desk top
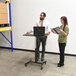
x,y
28,35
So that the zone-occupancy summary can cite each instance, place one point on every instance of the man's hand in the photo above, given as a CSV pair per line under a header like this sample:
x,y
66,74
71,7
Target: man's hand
x,y
47,34
29,32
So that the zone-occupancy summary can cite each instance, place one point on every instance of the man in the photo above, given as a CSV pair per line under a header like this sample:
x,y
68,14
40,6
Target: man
x,y
42,23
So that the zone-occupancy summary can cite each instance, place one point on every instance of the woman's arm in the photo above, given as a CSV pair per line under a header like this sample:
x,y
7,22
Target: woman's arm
x,y
65,34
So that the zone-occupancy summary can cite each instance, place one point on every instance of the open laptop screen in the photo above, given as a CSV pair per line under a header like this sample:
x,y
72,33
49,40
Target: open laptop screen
x,y
39,31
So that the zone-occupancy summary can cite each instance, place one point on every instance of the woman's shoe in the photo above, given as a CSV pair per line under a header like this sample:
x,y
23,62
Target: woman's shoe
x,y
60,64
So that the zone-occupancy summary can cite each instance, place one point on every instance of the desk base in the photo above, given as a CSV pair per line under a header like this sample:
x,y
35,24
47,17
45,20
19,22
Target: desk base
x,y
41,63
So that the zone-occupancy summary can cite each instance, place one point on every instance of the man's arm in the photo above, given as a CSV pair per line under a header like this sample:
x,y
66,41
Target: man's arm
x,y
36,24
64,33
49,29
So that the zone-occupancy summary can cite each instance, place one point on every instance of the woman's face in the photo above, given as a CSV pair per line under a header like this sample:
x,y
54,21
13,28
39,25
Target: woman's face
x,y
62,22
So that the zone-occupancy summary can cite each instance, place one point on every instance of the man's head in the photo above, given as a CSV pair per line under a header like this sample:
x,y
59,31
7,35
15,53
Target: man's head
x,y
42,16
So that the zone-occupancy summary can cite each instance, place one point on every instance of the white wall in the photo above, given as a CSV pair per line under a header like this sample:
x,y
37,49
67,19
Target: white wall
x,y
26,12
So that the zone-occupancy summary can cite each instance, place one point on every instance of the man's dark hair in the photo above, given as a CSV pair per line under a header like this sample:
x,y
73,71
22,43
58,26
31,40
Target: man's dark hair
x,y
43,14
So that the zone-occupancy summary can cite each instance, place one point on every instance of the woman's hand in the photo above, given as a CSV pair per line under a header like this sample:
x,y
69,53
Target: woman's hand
x,y
52,30
61,30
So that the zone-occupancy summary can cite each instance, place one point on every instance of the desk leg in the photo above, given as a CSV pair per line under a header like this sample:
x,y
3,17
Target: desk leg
x,y
36,60
28,63
41,63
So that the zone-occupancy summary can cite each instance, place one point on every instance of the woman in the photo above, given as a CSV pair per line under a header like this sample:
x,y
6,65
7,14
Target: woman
x,y
62,39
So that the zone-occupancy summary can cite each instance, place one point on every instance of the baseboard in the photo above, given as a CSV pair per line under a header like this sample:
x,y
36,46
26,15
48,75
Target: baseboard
x,y
54,53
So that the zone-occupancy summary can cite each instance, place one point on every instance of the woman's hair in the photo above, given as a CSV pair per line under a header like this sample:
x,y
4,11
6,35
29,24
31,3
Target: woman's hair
x,y
64,18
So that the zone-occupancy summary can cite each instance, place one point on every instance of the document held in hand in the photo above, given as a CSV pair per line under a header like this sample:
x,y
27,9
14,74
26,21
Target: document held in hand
x,y
56,30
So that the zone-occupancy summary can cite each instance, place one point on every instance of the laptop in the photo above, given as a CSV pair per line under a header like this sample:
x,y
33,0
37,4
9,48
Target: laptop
x,y
39,31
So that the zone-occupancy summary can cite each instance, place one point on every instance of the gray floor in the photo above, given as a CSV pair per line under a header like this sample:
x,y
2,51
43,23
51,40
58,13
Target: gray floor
x,y
12,64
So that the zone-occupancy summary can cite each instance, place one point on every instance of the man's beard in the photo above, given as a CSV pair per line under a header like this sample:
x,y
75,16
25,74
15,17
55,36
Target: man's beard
x,y
41,19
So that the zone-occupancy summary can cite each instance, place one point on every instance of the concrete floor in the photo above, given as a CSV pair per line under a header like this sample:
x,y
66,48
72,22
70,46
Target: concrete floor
x,y
12,64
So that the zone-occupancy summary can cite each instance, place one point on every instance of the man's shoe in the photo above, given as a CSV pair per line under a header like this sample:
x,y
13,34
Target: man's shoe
x,y
37,55
36,59
42,58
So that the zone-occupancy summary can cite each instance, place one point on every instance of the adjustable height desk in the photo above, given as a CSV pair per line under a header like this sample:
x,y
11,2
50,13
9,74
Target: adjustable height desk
x,y
31,61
